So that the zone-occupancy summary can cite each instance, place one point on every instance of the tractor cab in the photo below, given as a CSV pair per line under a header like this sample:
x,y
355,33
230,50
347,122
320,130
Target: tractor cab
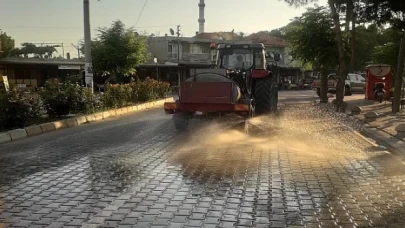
x,y
243,57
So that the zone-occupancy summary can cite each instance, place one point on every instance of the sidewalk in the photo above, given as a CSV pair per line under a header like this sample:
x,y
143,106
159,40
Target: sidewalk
x,y
382,128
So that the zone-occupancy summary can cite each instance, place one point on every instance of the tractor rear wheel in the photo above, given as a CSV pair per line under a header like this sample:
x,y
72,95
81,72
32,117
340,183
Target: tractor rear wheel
x,y
181,121
265,96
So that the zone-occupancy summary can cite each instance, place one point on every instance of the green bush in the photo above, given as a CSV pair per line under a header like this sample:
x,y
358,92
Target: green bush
x,y
56,99
117,96
163,89
82,99
147,90
62,99
151,90
16,109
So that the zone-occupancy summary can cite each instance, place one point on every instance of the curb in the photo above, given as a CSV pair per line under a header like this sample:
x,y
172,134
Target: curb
x,y
35,130
392,143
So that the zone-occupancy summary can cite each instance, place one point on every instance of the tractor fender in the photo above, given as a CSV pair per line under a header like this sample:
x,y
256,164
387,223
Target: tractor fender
x,y
261,74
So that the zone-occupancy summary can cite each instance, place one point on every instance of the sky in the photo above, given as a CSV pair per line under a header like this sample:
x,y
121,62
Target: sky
x,y
61,21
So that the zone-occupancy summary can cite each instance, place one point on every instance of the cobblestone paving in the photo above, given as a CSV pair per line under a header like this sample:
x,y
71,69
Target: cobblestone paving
x,y
138,172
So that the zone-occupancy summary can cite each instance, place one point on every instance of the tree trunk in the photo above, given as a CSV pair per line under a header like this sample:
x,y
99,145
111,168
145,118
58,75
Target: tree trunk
x,y
342,64
349,14
324,86
353,44
398,77
111,77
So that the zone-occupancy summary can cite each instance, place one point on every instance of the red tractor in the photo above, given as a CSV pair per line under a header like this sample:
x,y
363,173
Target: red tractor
x,y
240,82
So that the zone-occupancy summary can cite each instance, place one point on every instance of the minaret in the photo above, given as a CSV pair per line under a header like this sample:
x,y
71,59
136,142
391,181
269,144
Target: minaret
x,y
201,19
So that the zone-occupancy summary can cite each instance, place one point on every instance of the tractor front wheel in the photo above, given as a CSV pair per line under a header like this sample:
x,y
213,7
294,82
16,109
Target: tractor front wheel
x,y
265,96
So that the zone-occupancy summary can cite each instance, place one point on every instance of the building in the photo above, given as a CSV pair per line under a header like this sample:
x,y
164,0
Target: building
x,y
34,72
192,53
195,52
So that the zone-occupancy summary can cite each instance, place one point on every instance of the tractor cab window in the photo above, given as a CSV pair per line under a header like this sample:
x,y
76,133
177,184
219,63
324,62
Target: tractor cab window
x,y
260,60
237,59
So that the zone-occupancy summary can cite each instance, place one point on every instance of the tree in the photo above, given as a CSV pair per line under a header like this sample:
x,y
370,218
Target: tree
x,y
31,49
336,7
275,33
7,45
118,51
392,12
312,41
386,50
386,54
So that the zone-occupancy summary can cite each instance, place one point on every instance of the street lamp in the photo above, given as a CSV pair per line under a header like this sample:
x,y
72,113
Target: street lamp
x,y
157,69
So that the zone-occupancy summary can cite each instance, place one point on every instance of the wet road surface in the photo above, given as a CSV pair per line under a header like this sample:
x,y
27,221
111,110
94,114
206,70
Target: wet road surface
x,y
136,171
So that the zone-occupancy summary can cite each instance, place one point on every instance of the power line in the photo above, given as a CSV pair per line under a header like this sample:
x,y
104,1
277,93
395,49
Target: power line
x,y
140,14
45,27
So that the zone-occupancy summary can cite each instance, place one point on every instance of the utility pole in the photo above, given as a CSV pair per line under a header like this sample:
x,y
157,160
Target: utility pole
x,y
78,50
178,55
87,45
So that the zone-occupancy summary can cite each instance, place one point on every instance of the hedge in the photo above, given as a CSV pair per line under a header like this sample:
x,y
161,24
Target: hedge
x,y
58,100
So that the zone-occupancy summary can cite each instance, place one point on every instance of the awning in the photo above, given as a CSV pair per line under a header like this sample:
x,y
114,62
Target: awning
x,y
69,67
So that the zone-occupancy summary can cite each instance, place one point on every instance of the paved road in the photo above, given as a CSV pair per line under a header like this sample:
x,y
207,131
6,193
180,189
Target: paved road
x,y
136,171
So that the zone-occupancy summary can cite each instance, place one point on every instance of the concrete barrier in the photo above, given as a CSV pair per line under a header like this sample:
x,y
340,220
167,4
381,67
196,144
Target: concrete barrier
x,y
81,120
33,130
371,115
90,118
400,128
60,124
123,111
141,107
98,116
48,127
5,137
72,122
356,110
113,113
18,134
148,105
106,115
119,112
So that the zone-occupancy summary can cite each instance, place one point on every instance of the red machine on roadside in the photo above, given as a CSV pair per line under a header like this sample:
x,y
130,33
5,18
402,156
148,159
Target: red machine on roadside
x,y
241,83
378,82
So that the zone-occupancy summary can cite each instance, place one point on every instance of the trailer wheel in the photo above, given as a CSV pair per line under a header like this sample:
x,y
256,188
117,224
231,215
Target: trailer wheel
x,y
181,121
265,96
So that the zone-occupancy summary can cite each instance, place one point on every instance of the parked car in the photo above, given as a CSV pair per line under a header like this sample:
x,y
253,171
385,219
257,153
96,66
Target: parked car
x,y
304,84
353,83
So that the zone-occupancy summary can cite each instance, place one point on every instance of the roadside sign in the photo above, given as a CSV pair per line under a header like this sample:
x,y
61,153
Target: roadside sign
x,y
4,86
69,67
89,74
